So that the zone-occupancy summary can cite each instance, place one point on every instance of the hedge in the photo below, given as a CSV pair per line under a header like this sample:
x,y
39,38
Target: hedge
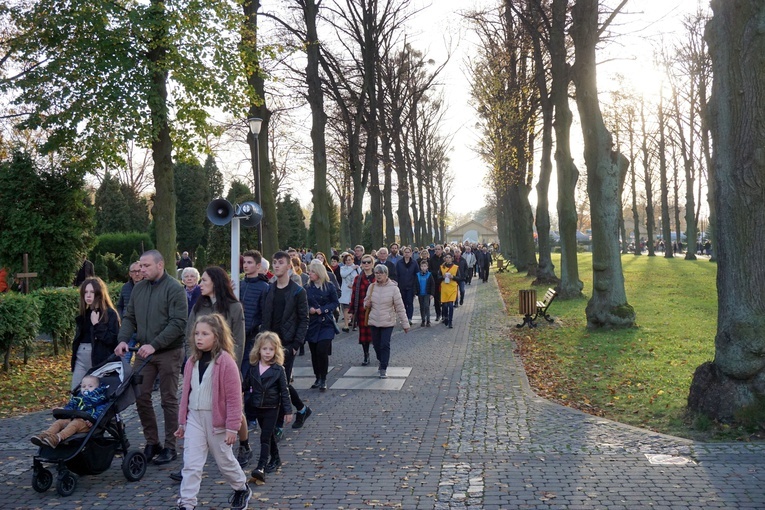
x,y
19,323
122,245
60,306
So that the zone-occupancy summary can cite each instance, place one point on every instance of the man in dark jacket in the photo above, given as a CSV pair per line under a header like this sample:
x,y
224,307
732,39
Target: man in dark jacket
x,y
251,289
157,313
382,258
406,270
483,258
462,272
127,289
284,310
434,266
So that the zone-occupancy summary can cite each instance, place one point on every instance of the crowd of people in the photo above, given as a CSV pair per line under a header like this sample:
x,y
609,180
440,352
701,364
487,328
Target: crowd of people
x,y
232,356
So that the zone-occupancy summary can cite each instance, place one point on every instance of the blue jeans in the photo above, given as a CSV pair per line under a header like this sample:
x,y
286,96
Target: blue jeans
x,y
381,343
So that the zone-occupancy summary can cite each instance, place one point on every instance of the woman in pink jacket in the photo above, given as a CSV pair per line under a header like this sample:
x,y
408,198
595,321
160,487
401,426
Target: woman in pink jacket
x,y
211,411
384,302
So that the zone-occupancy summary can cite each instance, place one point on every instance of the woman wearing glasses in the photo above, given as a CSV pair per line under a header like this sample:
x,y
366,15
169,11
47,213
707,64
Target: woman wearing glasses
x,y
356,308
385,304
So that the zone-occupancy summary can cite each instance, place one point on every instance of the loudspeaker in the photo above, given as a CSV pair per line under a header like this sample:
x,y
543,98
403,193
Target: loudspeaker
x,y
220,211
250,213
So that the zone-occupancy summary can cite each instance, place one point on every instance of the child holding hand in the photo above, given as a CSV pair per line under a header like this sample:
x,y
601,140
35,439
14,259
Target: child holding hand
x,y
265,391
211,411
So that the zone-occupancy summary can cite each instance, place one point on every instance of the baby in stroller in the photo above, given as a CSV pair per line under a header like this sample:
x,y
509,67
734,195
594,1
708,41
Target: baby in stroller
x,y
92,399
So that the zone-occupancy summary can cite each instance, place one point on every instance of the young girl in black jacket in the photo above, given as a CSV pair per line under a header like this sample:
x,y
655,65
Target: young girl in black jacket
x,y
265,390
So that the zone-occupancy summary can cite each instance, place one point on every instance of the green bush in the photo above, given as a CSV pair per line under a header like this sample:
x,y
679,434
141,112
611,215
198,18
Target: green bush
x,y
109,267
122,245
19,322
59,307
114,291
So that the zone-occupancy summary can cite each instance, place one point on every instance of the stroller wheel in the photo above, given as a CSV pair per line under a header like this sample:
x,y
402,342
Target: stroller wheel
x,y
134,466
42,480
66,483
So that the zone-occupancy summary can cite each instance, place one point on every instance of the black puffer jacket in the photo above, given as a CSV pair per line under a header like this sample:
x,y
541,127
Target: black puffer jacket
x,y
294,318
267,390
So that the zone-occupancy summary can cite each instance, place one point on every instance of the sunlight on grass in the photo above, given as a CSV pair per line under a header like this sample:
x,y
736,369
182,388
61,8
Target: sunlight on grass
x,y
638,376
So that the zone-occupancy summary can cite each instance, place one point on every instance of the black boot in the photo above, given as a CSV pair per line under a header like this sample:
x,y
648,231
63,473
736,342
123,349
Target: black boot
x,y
274,464
322,385
316,384
366,360
259,473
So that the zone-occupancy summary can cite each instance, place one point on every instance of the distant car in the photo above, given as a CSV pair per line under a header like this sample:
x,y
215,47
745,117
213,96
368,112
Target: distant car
x,y
581,237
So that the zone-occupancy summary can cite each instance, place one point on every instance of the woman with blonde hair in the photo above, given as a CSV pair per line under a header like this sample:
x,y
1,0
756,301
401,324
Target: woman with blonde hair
x,y
322,302
98,325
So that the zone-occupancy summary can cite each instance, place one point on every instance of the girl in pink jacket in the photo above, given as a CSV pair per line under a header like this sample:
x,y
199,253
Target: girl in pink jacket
x,y
211,411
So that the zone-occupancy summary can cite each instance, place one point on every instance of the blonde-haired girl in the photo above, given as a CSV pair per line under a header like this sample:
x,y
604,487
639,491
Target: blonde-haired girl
x,y
265,392
211,411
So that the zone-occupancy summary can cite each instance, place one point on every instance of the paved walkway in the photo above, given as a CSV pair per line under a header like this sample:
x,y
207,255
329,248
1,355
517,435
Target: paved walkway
x,y
463,432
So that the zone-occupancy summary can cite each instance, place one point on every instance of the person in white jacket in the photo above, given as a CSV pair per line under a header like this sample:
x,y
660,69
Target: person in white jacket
x,y
384,302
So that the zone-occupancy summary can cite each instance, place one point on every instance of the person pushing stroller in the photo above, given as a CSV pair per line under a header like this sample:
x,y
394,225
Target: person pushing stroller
x,y
92,399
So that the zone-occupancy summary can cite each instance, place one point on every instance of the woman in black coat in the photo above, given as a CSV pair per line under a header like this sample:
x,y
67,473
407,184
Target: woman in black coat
x,y
322,302
98,325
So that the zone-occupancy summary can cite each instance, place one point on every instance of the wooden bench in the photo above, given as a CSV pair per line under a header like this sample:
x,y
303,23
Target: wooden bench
x,y
542,306
531,309
501,266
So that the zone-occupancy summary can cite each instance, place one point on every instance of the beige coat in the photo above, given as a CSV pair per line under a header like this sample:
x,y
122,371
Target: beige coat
x,y
386,304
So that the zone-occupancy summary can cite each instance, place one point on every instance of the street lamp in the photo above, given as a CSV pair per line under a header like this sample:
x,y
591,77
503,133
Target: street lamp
x,y
255,123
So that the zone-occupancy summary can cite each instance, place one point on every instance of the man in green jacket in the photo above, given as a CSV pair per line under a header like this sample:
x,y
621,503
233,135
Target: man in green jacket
x,y
157,313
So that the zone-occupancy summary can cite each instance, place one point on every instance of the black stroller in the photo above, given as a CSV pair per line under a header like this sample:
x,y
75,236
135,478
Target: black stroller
x,y
92,452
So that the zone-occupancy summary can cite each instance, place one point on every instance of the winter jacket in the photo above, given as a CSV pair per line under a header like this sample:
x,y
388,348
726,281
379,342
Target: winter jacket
x,y
250,292
266,390
385,300
391,268
234,317
321,326
426,286
407,274
294,318
124,299
103,336
93,402
158,313
434,266
462,267
226,393
348,274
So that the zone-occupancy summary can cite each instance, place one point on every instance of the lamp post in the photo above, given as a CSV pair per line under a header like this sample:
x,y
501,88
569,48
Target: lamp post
x,y
255,123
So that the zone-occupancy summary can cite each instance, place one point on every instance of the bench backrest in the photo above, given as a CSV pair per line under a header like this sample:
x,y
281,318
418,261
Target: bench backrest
x,y
549,296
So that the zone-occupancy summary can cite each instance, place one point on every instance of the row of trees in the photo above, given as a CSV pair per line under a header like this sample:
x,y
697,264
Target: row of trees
x,y
148,75
521,86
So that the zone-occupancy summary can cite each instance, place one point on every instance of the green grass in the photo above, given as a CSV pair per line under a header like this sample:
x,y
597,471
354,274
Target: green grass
x,y
639,376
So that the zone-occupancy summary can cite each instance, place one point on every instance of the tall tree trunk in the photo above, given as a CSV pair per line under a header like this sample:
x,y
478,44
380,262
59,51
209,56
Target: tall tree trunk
x,y
320,216
570,285
666,225
608,305
734,380
256,81
163,210
635,210
648,181
370,59
705,146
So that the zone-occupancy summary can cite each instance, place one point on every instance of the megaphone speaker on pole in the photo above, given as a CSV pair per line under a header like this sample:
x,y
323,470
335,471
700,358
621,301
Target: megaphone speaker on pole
x,y
220,211
250,213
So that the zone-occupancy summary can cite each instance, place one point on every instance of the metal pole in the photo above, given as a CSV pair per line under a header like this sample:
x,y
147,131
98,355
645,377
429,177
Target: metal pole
x,y
235,254
260,201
